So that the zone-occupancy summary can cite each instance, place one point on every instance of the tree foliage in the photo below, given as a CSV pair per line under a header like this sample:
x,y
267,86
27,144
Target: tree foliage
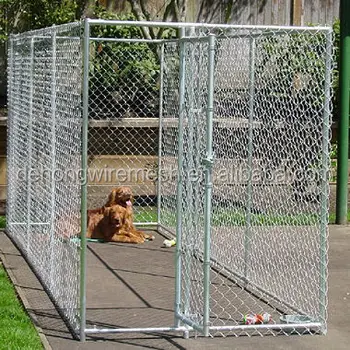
x,y
17,16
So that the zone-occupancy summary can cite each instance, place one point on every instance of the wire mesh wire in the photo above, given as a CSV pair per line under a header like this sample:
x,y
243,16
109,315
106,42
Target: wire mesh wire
x,y
44,142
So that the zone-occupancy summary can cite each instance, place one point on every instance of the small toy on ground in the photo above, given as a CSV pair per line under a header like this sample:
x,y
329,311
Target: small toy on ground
x,y
257,319
168,243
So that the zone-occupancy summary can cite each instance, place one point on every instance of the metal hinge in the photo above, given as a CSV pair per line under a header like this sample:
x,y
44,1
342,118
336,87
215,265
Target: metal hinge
x,y
208,161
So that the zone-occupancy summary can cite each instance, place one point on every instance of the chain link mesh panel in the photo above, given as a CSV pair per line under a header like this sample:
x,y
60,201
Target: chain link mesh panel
x,y
124,117
168,161
269,217
192,194
44,137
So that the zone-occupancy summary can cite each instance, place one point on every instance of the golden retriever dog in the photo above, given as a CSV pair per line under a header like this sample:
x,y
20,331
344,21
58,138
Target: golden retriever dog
x,y
121,195
113,224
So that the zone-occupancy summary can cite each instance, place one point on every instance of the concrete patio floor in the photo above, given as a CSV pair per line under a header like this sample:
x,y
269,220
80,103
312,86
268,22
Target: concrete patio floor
x,y
146,301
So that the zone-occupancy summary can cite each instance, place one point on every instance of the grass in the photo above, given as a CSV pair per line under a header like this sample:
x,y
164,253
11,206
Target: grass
x,y
16,329
332,217
145,214
230,218
238,218
227,217
2,221
333,177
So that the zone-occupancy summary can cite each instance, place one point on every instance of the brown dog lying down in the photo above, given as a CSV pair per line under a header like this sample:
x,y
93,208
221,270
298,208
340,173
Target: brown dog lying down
x,y
120,196
114,224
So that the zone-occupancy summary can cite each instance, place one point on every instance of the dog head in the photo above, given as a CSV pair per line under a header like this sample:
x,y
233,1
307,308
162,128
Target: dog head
x,y
120,195
115,216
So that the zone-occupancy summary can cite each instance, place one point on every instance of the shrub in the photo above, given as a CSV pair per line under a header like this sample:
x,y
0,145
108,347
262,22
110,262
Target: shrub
x,y
336,60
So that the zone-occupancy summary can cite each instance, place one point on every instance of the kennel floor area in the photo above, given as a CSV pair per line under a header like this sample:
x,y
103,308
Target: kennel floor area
x,y
130,285
133,286
148,284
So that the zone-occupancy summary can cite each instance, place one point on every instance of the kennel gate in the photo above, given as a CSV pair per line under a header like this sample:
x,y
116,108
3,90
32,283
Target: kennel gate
x,y
238,105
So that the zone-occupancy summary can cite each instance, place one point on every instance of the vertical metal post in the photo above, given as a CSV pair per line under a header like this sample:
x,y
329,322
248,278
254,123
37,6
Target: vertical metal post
x,y
178,260
189,167
12,185
324,183
199,85
160,131
84,165
343,125
30,122
247,235
208,185
53,163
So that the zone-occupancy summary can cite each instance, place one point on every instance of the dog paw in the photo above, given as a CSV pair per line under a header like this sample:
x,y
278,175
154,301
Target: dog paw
x,y
149,237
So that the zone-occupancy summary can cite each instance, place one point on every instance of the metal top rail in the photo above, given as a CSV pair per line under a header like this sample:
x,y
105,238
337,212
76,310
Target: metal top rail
x,y
95,22
203,25
57,28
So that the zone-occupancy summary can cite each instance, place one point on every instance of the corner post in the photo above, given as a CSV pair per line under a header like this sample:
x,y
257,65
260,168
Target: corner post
x,y
208,162
54,158
324,184
84,150
178,253
30,122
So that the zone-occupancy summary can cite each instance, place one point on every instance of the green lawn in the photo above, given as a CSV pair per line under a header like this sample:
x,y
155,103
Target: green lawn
x,y
229,217
145,214
332,217
2,221
238,218
16,329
